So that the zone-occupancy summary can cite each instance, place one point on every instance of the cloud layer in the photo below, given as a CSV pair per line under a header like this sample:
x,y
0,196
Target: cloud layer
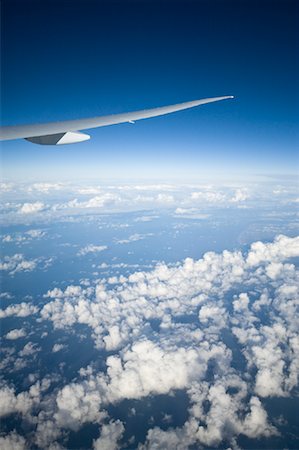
x,y
223,329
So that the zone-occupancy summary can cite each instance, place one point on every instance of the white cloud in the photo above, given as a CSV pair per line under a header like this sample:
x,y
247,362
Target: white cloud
x,y
12,441
229,292
192,213
223,420
240,196
263,300
92,249
165,198
47,432
99,201
241,303
29,349
110,435
256,422
144,367
21,238
32,208
89,190
149,369
11,402
58,347
132,198
9,238
133,238
149,187
6,296
24,403
6,187
19,310
78,404
146,218
213,313
210,197
282,248
70,291
17,333
143,370
150,294
36,234
17,263
45,188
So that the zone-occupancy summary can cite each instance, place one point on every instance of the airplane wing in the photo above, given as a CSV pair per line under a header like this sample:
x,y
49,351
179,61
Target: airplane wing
x,y
68,132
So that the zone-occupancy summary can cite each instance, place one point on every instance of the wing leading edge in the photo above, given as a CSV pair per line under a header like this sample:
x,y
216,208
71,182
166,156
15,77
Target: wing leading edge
x,y
67,132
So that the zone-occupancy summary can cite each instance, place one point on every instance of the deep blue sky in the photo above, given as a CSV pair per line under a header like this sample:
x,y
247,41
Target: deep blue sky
x,y
70,59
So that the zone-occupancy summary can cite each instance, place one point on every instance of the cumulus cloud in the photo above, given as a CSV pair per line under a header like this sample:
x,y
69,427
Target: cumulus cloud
x,y
131,198
149,187
111,433
151,294
119,320
23,404
282,248
149,369
241,303
165,198
17,333
25,237
145,369
69,292
222,421
17,263
6,187
58,347
240,196
192,213
36,234
133,238
218,196
207,196
13,403
99,201
12,441
19,310
45,188
31,208
10,238
89,190
29,349
78,404
213,314
92,249
148,218
170,328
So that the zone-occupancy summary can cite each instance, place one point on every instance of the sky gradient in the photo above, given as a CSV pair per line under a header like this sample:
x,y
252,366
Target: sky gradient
x,y
64,60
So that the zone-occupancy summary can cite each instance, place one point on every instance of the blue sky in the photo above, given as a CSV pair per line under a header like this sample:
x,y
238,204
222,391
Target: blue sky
x,y
63,60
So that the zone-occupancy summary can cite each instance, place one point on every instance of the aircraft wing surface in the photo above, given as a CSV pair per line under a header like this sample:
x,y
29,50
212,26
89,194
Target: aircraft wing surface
x,y
67,132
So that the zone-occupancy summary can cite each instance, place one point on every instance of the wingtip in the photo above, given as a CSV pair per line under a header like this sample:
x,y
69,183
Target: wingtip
x,y
226,97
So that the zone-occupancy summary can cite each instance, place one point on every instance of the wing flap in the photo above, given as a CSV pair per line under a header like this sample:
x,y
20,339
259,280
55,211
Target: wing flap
x,y
69,137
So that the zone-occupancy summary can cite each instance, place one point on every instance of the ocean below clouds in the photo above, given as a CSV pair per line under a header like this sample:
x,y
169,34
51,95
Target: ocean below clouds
x,y
151,316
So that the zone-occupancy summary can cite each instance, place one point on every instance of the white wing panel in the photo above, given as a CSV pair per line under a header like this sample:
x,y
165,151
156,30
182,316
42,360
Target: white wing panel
x,y
55,128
